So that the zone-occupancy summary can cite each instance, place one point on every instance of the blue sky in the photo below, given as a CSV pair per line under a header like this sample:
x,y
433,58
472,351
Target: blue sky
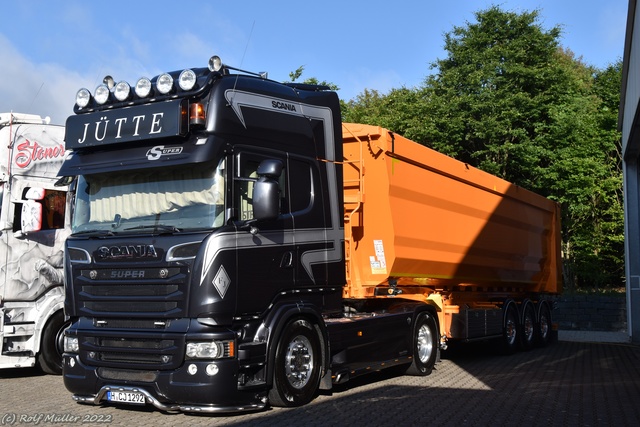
x,y
51,48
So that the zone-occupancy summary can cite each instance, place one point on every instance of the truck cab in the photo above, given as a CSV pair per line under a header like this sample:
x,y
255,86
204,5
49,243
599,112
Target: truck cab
x,y
202,220
34,222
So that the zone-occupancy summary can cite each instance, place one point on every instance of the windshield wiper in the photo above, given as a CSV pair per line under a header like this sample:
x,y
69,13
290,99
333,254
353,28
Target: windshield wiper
x,y
157,227
94,233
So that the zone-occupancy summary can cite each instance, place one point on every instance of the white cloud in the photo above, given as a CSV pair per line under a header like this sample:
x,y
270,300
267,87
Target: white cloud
x,y
44,89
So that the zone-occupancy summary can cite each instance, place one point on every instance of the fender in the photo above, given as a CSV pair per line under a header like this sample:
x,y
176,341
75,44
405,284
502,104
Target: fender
x,y
505,306
273,324
46,306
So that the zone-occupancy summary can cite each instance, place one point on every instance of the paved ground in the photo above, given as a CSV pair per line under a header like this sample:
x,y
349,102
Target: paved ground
x,y
579,381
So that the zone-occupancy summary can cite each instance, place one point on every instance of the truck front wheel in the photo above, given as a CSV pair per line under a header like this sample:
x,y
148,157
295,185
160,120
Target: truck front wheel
x,y
425,345
297,368
50,355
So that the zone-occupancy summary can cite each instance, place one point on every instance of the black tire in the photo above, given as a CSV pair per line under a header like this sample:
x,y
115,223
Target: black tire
x,y
425,345
543,327
529,326
510,330
298,365
51,346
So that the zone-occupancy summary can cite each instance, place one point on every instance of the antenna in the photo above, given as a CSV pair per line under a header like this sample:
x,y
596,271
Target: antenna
x,y
34,98
244,53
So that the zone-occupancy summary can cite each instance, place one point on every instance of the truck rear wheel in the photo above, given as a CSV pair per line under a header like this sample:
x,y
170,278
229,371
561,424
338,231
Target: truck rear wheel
x,y
510,334
425,345
544,325
528,326
297,368
50,355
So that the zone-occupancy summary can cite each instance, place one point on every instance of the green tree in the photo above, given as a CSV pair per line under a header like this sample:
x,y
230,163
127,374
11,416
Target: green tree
x,y
295,75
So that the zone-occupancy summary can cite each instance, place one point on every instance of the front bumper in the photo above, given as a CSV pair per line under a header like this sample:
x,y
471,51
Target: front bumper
x,y
186,389
100,397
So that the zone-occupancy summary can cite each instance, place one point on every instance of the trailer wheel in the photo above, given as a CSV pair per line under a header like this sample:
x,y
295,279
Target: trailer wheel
x,y
50,355
425,345
297,368
528,326
544,325
510,329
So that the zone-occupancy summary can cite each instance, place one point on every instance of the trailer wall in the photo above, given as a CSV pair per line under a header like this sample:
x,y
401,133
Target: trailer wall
x,y
420,217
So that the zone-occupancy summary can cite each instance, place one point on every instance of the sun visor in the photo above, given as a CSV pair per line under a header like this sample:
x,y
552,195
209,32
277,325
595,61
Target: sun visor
x,y
141,157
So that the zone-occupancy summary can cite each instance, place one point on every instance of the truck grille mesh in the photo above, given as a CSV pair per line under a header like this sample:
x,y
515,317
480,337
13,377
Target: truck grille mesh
x,y
150,294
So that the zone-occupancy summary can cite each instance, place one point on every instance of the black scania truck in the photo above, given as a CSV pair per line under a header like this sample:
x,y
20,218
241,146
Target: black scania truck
x,y
206,265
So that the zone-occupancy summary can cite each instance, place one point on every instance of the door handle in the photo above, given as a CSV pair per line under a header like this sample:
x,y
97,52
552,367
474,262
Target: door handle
x,y
287,260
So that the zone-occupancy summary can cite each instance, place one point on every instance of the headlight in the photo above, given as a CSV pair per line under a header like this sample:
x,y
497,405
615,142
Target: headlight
x,y
83,97
164,83
210,349
143,87
102,94
187,80
122,91
71,345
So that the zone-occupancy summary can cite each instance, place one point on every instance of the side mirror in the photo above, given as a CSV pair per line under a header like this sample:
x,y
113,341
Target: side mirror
x,y
35,193
31,217
266,192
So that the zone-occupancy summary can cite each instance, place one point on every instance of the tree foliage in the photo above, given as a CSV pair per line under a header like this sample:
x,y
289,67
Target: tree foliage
x,y
511,101
295,75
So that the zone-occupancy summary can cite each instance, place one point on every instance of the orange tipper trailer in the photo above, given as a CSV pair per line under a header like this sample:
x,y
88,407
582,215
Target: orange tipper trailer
x,y
424,226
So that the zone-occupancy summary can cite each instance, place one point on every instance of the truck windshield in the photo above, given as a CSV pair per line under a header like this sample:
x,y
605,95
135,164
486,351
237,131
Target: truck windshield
x,y
153,200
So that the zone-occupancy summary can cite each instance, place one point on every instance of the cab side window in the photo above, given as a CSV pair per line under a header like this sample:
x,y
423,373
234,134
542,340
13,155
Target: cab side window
x,y
54,203
246,176
301,185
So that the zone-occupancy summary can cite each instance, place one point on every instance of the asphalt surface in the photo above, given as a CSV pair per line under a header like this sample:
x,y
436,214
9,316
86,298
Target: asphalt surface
x,y
578,381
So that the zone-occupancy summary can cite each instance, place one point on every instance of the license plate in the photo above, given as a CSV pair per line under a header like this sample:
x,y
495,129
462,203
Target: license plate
x,y
126,397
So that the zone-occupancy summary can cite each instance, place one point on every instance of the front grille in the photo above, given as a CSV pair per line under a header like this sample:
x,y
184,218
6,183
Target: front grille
x,y
162,352
129,290
132,292
148,359
131,323
131,343
131,306
127,375
135,314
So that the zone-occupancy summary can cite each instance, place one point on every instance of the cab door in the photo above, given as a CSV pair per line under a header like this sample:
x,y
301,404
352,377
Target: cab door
x,y
265,249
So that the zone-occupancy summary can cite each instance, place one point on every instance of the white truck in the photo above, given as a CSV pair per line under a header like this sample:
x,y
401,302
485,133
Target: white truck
x,y
34,223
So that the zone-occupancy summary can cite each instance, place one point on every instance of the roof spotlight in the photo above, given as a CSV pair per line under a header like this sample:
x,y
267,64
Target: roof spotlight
x,y
108,80
215,63
164,84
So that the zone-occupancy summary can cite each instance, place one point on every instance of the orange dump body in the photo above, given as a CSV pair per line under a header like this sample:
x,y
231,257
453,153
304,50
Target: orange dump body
x,y
439,229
